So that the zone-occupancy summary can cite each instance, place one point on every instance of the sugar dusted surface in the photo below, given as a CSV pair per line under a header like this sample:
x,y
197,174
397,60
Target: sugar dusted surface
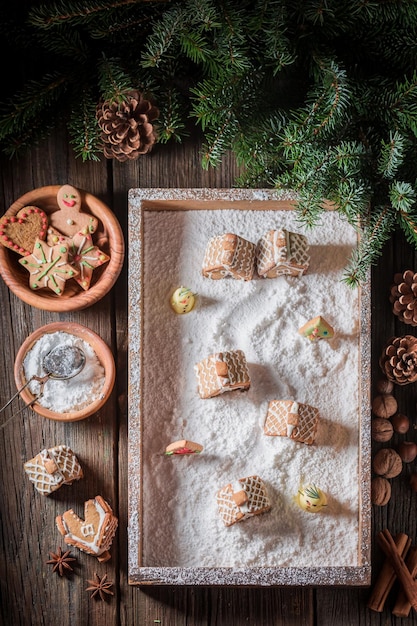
x,y
181,525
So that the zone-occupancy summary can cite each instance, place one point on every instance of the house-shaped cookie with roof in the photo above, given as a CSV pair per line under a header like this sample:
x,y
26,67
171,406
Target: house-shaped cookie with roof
x,y
229,255
222,371
281,252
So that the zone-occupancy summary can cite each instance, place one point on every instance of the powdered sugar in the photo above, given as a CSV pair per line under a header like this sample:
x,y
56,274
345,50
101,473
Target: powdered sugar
x,y
181,525
73,394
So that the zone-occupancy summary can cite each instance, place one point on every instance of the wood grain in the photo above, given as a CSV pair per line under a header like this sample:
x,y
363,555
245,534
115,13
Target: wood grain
x,y
30,595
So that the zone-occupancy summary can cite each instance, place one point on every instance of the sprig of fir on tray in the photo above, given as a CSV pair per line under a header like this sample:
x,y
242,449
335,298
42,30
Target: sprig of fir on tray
x,y
316,97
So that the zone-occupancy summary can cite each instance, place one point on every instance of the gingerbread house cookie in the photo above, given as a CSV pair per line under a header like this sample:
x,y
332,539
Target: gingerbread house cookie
x,y
281,252
317,328
245,498
52,468
222,371
286,418
229,255
93,534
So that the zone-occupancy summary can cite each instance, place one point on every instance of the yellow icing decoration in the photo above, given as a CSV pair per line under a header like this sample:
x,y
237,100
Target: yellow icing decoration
x,y
182,300
310,498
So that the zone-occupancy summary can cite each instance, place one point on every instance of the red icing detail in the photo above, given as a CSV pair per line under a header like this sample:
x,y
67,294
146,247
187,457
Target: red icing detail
x,y
13,220
69,203
184,451
38,211
5,238
1,232
31,211
27,253
24,215
20,220
23,251
42,233
15,246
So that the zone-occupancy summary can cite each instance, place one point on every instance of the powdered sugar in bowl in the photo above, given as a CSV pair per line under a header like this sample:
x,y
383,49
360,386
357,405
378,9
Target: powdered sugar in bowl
x,y
69,399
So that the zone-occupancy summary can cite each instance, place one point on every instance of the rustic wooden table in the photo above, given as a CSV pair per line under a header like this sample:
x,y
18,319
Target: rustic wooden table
x,y
30,594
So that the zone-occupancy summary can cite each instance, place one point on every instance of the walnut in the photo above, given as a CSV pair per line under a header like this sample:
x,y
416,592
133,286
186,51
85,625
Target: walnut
x,y
401,423
387,463
384,405
380,491
407,451
382,429
384,386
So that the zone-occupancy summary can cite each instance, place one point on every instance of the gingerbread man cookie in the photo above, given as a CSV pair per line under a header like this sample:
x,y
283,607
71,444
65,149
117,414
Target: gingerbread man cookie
x,y
48,267
70,220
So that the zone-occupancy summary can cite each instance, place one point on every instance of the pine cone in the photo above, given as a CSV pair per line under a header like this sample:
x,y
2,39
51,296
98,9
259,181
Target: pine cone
x,y
403,297
127,130
399,360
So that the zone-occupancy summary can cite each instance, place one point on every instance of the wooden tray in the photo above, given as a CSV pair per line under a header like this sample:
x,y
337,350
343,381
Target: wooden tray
x,y
172,509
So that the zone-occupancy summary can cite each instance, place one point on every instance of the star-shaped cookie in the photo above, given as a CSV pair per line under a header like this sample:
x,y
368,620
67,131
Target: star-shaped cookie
x,y
48,267
84,256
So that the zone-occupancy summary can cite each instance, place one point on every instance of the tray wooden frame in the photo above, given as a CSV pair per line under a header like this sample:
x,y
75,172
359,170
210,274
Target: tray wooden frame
x,y
259,199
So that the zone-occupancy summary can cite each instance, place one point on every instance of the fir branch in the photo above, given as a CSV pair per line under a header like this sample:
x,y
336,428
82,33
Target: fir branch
x,y
165,34
408,223
113,81
392,155
402,196
84,130
75,13
372,239
27,104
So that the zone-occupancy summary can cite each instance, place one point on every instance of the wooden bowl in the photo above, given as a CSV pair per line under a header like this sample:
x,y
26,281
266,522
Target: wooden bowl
x,y
102,351
108,237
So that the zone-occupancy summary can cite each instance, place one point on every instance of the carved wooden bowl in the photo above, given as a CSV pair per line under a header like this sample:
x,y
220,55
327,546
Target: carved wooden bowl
x,y
104,356
108,237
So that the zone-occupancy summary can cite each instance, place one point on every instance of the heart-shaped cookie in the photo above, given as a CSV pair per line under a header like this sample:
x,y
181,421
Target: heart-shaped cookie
x,y
19,232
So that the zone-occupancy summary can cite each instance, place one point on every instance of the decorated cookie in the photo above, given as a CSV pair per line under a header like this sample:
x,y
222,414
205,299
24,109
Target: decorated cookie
x,y
310,498
222,371
53,236
19,232
286,418
182,300
183,447
85,257
242,499
317,328
93,534
52,468
69,219
48,267
282,252
229,255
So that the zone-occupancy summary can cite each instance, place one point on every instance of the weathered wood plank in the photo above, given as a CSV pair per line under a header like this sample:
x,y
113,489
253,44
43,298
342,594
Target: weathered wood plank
x,y
30,592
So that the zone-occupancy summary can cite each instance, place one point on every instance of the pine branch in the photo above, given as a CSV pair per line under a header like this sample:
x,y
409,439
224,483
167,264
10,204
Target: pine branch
x,y
372,239
75,13
84,130
28,104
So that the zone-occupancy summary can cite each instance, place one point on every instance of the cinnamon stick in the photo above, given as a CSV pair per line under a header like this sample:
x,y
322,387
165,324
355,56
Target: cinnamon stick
x,y
387,543
402,606
387,576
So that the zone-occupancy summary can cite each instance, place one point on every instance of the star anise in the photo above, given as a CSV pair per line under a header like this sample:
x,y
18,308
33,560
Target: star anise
x,y
61,561
100,587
